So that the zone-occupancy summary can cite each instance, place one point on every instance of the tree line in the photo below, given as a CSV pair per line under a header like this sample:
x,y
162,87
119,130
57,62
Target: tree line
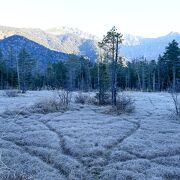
x,y
108,72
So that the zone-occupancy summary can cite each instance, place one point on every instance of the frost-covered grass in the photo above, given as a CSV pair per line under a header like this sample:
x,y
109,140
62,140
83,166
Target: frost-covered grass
x,y
84,143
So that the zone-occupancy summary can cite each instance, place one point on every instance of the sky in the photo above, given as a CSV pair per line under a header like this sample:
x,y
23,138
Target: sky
x,y
147,18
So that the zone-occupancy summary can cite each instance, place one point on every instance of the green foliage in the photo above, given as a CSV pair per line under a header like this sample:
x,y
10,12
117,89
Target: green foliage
x,y
103,82
25,69
56,75
7,74
110,44
171,63
79,73
172,53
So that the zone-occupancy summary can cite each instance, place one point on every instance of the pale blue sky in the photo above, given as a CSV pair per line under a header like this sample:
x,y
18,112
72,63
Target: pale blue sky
x,y
149,18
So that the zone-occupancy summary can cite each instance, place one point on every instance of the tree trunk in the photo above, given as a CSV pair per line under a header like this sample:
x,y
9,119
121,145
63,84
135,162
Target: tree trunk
x,y
154,81
174,78
1,80
143,79
17,68
159,80
113,73
139,80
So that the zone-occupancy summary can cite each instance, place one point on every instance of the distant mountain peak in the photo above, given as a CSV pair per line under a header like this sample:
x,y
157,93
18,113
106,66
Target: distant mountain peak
x,y
172,33
67,30
130,40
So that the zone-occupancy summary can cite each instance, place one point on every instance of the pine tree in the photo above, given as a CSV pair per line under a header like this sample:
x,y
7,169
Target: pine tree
x,y
103,83
172,59
2,70
25,66
73,66
94,75
110,43
153,70
60,74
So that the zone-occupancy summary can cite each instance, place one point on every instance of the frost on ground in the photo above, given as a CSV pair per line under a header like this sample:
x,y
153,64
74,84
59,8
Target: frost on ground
x,y
85,143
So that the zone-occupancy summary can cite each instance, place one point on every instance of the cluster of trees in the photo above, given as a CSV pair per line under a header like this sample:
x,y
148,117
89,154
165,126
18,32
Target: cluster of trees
x,y
17,72
109,72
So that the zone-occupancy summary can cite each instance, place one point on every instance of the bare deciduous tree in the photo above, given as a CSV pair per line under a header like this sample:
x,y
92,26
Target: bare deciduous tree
x,y
176,102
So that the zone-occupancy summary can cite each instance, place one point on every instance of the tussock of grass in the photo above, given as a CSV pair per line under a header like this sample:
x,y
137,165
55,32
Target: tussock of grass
x,y
124,104
81,98
60,102
11,93
11,175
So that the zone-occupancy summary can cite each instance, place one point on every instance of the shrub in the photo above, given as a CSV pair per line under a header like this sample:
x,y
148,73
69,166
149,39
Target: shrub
x,y
64,98
95,100
92,100
176,103
86,99
124,104
103,99
60,102
11,93
81,98
47,105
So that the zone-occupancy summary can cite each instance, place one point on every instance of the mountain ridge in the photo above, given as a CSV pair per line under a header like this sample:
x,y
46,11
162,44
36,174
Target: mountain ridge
x,y
75,41
41,54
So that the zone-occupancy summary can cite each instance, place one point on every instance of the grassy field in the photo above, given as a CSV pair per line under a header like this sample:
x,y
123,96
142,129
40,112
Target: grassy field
x,y
86,143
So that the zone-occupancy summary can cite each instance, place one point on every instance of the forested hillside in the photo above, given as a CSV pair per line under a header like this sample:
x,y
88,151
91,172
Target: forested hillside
x,y
80,72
